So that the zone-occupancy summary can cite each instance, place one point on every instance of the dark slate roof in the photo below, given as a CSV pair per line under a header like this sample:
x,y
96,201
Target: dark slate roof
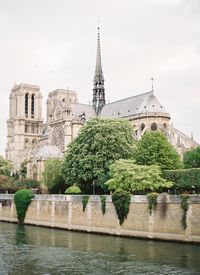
x,y
79,109
132,106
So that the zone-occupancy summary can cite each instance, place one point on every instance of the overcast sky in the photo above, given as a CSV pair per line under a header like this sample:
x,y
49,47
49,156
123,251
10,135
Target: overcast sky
x,y
52,43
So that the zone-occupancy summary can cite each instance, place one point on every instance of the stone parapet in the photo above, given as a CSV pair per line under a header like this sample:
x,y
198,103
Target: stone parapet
x,y
66,212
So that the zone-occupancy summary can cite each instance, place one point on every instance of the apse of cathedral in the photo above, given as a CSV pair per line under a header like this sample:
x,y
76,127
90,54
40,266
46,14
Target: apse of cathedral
x,y
30,139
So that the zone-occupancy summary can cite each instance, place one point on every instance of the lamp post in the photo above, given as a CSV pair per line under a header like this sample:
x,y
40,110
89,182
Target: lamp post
x,y
93,187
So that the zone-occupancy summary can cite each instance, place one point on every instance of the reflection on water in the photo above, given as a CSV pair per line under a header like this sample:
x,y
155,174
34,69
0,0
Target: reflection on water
x,y
34,250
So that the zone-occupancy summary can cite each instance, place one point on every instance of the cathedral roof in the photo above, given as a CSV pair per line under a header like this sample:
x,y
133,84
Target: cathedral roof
x,y
79,110
133,106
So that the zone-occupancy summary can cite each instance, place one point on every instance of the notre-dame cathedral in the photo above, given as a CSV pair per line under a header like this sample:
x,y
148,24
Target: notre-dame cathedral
x,y
30,139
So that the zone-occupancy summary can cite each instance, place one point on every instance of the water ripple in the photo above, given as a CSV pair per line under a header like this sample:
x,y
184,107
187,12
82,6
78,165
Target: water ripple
x,y
33,250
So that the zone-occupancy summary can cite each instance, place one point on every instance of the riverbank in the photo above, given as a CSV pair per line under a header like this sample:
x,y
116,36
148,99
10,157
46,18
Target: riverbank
x,y
66,212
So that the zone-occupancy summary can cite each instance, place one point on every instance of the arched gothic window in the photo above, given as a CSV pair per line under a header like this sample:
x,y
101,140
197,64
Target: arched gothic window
x,y
32,105
154,126
142,126
26,105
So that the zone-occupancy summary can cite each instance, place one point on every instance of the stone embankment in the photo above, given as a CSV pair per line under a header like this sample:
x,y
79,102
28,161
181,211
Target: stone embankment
x,y
61,211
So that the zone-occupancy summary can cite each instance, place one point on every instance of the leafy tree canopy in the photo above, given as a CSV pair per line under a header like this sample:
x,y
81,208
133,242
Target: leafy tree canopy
x,y
5,167
130,177
23,169
99,143
52,176
191,158
154,148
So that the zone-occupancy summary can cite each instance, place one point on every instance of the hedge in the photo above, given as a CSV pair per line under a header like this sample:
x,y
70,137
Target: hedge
x,y
184,179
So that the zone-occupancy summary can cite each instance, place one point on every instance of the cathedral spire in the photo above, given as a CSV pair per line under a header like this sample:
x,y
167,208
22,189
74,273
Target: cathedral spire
x,y
98,82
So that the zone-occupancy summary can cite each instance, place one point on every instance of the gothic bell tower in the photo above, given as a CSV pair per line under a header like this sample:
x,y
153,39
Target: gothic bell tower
x,y
98,82
24,124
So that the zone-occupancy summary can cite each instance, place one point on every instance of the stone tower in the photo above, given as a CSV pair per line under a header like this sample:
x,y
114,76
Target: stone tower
x,y
98,82
24,124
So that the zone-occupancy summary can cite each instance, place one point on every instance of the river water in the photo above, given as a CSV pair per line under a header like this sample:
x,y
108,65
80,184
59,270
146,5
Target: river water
x,y
35,250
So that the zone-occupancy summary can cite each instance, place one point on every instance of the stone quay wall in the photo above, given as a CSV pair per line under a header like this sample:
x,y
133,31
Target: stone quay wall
x,y
66,212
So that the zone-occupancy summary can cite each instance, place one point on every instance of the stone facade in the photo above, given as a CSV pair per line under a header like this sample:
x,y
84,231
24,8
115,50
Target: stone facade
x,y
66,212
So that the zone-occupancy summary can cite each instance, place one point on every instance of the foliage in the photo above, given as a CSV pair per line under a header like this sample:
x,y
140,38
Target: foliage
x,y
121,201
85,200
52,176
152,202
26,183
184,179
130,177
23,169
154,148
11,185
5,183
99,143
5,167
73,190
184,206
22,199
191,158
103,203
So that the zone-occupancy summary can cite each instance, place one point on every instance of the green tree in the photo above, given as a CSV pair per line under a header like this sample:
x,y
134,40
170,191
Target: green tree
x,y
130,177
154,148
23,169
52,176
5,167
99,143
191,158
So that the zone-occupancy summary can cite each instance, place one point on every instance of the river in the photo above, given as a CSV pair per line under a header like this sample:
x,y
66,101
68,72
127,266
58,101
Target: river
x,y
36,250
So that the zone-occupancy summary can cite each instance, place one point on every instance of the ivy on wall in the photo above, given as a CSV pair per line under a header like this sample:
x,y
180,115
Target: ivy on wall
x,y
85,200
163,204
184,205
152,202
121,201
103,203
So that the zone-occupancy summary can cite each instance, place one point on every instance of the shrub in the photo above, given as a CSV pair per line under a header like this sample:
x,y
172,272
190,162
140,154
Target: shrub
x,y
184,179
121,201
22,199
103,203
73,190
85,200
152,202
